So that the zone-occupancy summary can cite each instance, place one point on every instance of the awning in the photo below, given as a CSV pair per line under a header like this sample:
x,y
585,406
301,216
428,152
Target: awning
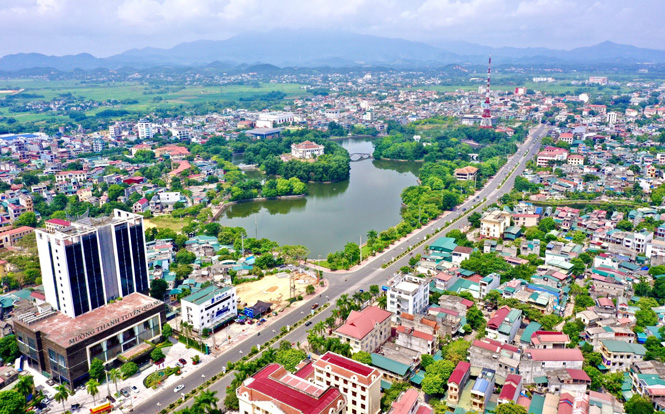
x,y
386,384
540,380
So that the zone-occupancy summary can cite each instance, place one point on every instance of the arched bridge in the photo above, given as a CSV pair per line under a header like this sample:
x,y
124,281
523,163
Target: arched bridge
x,y
359,156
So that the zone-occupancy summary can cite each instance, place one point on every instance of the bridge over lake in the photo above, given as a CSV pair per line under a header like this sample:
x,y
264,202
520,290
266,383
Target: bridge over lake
x,y
359,156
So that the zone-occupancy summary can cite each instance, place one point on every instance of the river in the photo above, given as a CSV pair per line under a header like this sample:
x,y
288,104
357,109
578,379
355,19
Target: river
x,y
332,214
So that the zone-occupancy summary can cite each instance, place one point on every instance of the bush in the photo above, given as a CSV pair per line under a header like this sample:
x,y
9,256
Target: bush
x,y
128,369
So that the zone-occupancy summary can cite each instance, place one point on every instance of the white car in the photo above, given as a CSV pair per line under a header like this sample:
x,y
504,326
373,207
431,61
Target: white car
x,y
135,389
179,388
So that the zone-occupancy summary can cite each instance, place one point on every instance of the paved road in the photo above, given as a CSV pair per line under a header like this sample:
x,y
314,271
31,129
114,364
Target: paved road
x,y
368,274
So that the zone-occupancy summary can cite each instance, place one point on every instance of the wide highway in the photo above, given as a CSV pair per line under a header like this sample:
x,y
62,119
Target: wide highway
x,y
360,277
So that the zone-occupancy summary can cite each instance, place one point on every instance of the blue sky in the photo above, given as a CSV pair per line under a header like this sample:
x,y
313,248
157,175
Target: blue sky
x,y
105,27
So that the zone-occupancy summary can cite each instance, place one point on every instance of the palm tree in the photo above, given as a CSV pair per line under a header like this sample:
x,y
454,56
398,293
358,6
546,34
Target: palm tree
x,y
93,388
25,385
205,401
62,392
382,301
115,375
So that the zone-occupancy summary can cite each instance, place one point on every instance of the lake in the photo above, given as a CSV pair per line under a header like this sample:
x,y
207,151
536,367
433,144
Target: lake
x,y
332,214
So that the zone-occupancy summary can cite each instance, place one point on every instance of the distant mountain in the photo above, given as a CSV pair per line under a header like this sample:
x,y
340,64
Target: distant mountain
x,y
310,48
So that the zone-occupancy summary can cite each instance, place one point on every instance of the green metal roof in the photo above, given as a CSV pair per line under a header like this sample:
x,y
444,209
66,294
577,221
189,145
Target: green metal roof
x,y
205,295
418,377
624,347
444,243
530,329
537,403
386,385
540,380
389,365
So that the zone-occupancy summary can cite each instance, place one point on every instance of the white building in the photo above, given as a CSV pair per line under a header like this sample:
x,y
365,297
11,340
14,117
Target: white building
x,y
306,149
145,130
272,119
91,262
494,223
408,294
209,307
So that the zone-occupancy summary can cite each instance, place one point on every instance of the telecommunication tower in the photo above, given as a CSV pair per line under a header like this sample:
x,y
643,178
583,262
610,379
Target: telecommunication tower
x,y
486,121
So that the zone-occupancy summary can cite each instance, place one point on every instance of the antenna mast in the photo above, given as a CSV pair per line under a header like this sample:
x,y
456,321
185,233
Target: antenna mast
x,y
486,121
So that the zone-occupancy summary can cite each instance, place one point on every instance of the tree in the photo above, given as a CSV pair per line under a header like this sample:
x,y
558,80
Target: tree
x,y
309,289
157,354
426,360
114,192
12,402
9,349
547,224
185,257
62,392
205,402
475,317
167,331
474,219
625,225
362,357
97,369
115,375
510,408
25,385
433,384
92,386
646,317
290,358
638,405
158,288
128,369
441,368
26,219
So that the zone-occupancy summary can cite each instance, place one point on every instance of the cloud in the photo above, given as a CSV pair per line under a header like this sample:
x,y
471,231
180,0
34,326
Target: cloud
x,y
110,26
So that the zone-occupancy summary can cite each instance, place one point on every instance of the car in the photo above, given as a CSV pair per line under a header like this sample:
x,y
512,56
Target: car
x,y
178,388
183,361
179,365
135,390
75,407
464,209
308,323
314,306
125,392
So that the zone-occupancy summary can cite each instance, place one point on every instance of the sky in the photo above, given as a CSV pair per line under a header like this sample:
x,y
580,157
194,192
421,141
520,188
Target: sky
x,y
107,27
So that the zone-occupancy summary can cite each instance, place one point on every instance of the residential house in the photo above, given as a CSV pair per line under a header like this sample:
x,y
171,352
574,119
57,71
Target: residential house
x,y
619,355
504,324
511,390
457,381
482,390
365,330
537,363
494,223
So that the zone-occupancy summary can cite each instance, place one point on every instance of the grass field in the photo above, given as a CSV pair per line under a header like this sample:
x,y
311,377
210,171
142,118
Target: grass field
x,y
166,222
147,98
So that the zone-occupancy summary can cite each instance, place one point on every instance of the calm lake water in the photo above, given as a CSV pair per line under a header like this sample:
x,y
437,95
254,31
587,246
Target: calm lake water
x,y
332,214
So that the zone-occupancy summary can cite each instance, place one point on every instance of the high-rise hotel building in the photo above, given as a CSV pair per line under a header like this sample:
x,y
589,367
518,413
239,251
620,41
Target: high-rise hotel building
x,y
93,261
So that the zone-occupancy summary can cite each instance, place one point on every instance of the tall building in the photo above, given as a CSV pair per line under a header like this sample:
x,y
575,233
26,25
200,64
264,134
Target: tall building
x,y
145,129
93,261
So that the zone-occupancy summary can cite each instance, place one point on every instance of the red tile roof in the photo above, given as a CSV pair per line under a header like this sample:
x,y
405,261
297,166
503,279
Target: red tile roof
x,y
360,324
460,370
498,318
578,375
571,354
347,363
59,222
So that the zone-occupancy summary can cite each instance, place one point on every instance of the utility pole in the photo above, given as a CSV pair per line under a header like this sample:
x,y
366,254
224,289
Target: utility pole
x,y
360,246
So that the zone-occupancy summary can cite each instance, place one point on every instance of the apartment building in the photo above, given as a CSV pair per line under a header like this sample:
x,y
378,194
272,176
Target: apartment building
x,y
360,384
494,223
619,355
407,293
482,390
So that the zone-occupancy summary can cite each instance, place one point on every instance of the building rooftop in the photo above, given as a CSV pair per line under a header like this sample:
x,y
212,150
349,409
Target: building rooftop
x,y
346,363
206,295
360,324
623,347
571,354
65,331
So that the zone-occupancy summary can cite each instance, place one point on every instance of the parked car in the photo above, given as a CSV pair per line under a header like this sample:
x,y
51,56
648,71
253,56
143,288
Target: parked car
x,y
75,407
179,365
125,392
178,388
135,390
182,361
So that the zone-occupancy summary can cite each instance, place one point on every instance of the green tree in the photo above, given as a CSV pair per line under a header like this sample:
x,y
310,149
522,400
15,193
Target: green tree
x,y
158,288
115,375
624,225
362,357
26,219
156,354
185,257
62,392
638,405
290,358
510,408
442,368
25,385
128,369
167,331
115,191
646,317
474,219
547,224
475,318
97,369
433,384
92,386
9,349
12,402
309,289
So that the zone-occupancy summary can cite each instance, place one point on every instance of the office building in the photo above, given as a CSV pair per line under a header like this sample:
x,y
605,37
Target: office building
x,y
209,307
93,261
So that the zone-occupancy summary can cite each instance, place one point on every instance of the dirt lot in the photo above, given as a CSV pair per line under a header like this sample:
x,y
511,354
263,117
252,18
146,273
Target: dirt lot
x,y
273,289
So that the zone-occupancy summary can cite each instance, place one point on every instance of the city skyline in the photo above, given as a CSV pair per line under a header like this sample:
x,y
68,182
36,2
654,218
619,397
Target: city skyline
x,y
106,28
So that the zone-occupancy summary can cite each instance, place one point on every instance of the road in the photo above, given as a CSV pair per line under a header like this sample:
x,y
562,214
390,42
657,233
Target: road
x,y
365,275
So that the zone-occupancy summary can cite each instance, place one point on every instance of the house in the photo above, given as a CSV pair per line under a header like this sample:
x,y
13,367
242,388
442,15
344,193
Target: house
x,y
274,390
360,384
461,254
619,355
10,237
550,154
537,363
54,225
413,339
511,390
488,283
568,380
365,330
407,293
494,223
457,381
504,324
467,173
306,150
482,390
408,402
505,359
141,206
549,340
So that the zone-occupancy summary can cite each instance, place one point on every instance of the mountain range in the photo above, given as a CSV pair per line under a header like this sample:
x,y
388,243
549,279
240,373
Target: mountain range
x,y
308,48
